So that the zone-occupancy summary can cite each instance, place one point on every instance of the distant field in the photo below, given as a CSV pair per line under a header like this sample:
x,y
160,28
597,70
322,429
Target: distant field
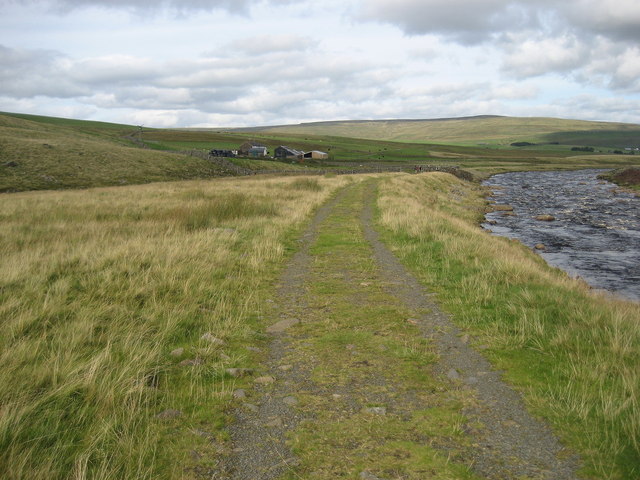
x,y
44,153
485,130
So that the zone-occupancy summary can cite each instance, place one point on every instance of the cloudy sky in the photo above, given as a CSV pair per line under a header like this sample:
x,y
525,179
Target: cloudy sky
x,y
187,63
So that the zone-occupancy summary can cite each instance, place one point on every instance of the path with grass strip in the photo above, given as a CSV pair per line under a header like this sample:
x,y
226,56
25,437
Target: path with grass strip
x,y
366,378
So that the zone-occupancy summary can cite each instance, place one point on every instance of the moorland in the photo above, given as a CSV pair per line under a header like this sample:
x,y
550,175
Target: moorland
x,y
140,287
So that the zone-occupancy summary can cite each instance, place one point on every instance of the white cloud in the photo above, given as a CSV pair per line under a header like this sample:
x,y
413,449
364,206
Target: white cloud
x,y
464,21
513,92
140,6
263,44
528,56
244,62
532,37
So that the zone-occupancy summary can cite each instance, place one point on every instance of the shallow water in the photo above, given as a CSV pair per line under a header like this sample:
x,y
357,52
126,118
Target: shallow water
x,y
596,231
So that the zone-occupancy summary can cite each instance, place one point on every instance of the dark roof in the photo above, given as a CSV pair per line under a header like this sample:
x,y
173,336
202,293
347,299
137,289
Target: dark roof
x,y
291,151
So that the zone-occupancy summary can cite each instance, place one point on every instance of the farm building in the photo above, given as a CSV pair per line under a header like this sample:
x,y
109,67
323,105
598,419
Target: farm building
x,y
257,151
316,155
247,146
288,153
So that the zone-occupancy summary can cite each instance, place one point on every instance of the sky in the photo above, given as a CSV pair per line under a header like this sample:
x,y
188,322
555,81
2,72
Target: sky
x,y
233,63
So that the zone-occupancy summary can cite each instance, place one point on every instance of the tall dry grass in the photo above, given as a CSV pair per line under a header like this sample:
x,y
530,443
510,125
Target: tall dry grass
x,y
97,287
575,353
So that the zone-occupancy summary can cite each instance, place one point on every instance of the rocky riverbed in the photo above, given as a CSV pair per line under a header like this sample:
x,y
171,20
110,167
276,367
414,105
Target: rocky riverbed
x,y
577,222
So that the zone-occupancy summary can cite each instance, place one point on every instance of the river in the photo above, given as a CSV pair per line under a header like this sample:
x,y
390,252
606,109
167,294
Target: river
x,y
595,233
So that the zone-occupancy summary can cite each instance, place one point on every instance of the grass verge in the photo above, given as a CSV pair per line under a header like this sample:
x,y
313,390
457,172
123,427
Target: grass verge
x,y
574,353
107,296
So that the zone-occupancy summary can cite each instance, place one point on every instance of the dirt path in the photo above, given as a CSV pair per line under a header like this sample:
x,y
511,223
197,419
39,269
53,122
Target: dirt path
x,y
366,378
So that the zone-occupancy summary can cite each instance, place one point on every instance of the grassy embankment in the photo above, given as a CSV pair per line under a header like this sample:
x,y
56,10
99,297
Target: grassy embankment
x,y
45,154
99,286
574,353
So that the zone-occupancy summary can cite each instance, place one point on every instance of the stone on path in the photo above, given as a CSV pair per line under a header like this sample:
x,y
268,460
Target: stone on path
x,y
266,380
274,423
453,374
290,400
375,410
282,325
239,393
251,407
368,476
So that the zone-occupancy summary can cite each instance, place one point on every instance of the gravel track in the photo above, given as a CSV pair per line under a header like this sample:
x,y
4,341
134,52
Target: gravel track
x,y
511,444
507,442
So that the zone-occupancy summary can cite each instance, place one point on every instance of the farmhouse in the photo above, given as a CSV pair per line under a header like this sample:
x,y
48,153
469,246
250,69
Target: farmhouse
x,y
316,155
256,151
246,147
288,153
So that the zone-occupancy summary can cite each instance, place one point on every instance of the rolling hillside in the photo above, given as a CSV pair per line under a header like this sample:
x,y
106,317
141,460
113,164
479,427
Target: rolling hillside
x,y
48,153
44,153
490,130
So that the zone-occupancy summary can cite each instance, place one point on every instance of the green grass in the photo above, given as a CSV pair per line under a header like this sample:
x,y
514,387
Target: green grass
x,y
573,353
361,353
51,156
41,153
484,130
97,287
270,165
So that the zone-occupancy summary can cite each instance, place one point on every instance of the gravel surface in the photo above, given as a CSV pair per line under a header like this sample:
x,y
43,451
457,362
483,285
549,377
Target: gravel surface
x,y
507,441
259,432
512,443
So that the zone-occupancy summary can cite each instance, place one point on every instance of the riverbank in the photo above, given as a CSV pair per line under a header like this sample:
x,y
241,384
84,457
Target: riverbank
x,y
576,221
571,350
625,177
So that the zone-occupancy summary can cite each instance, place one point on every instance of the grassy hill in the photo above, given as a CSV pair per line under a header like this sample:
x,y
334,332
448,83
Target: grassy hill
x,y
41,153
490,130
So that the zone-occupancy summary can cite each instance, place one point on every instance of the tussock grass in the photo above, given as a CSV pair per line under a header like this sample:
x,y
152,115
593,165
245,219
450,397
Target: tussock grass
x,y
97,287
47,156
572,351
306,184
